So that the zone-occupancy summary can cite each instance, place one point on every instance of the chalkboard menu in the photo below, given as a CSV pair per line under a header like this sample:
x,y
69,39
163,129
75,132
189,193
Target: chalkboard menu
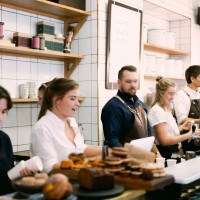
x,y
123,40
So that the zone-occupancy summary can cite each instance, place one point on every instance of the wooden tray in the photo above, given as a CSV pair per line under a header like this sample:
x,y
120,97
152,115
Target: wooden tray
x,y
151,185
127,182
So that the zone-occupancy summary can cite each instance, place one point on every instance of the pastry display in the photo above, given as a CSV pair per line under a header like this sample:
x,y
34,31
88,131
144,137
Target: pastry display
x,y
95,179
136,174
28,181
119,151
77,158
41,176
67,164
57,187
113,160
156,169
37,180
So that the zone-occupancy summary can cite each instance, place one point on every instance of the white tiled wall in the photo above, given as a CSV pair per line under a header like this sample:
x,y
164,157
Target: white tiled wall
x,y
186,41
91,42
17,70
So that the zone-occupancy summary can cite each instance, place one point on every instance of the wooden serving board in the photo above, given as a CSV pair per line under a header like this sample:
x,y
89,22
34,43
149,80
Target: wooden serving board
x,y
127,182
156,183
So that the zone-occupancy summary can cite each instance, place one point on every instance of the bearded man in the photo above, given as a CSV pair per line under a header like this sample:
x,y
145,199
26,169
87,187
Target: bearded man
x,y
124,116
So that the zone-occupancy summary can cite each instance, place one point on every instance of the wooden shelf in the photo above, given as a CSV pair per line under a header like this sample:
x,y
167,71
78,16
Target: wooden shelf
x,y
46,8
151,76
34,53
163,50
53,10
18,100
82,98
35,100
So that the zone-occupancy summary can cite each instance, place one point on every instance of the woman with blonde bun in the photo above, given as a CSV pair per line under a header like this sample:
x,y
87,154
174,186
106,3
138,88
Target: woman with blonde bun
x,y
165,128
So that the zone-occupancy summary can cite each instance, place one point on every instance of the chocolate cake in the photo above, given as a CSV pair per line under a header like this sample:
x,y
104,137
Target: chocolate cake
x,y
95,179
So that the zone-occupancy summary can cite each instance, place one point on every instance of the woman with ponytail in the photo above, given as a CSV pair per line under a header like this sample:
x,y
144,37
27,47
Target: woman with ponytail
x,y
165,128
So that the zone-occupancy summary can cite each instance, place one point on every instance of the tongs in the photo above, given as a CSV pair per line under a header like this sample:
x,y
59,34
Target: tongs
x,y
193,136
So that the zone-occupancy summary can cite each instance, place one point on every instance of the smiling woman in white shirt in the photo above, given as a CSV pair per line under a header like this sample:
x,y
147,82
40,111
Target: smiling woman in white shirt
x,y
165,128
56,134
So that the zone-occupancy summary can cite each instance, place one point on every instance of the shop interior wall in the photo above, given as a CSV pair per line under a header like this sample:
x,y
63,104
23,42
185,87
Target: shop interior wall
x,y
17,70
189,42
91,42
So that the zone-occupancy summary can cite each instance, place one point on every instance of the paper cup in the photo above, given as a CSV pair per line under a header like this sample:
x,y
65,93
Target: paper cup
x,y
160,160
182,160
15,171
171,162
34,163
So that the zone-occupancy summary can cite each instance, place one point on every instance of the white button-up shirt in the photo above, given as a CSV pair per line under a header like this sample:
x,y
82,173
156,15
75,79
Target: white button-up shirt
x,y
157,115
49,142
182,102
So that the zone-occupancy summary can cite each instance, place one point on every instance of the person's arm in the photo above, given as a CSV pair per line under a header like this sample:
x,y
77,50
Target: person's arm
x,y
92,151
165,139
111,121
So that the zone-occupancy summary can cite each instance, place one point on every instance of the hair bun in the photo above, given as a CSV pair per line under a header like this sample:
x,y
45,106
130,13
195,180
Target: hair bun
x,y
158,78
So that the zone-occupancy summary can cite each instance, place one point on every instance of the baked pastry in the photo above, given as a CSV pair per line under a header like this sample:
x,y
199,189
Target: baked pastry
x,y
95,179
57,187
136,174
41,176
56,166
114,169
119,151
67,164
125,173
77,158
39,182
28,181
157,169
112,160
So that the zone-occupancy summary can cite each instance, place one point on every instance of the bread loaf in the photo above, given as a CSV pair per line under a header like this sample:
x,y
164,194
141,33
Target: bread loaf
x,y
95,179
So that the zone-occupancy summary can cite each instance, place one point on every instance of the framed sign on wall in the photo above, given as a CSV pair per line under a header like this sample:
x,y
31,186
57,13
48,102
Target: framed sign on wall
x,y
123,40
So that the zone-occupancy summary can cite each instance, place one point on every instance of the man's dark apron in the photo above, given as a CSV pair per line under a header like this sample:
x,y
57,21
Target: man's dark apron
x,y
139,126
195,114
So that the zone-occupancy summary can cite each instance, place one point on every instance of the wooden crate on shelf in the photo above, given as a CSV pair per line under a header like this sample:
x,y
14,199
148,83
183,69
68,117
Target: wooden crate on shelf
x,y
80,4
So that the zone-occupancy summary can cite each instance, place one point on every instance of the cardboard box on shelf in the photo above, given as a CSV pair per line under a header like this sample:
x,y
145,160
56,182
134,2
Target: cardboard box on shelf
x,y
45,27
22,39
80,4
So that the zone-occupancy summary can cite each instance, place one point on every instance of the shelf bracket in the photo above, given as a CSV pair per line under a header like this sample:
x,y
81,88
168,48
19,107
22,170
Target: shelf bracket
x,y
70,66
79,20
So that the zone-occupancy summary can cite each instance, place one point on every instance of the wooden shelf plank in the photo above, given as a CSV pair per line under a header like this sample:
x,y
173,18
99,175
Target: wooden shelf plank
x,y
45,7
34,53
150,76
19,100
35,100
82,98
163,50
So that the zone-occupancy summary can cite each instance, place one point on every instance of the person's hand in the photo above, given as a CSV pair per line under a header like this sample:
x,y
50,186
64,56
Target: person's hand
x,y
185,126
26,171
158,155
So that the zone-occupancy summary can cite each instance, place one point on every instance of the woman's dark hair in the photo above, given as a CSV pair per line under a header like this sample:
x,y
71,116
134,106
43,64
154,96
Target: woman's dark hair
x,y
192,71
161,86
129,68
4,94
57,88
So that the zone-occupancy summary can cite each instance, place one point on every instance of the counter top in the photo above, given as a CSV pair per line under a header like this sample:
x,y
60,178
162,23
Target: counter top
x,y
185,172
126,195
21,155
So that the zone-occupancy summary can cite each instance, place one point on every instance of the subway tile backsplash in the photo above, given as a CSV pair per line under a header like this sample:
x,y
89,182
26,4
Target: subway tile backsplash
x,y
18,70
